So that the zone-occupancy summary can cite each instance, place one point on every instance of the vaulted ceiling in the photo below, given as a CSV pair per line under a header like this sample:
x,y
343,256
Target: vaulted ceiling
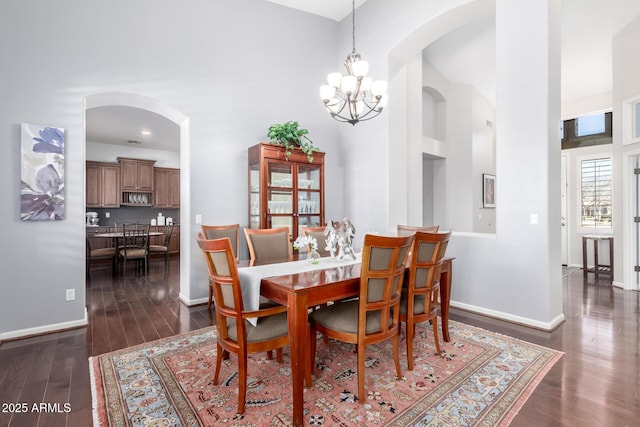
x,y
588,27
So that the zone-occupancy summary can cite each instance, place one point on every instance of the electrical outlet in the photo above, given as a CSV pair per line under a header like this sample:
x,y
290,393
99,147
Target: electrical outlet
x,y
198,219
107,214
71,294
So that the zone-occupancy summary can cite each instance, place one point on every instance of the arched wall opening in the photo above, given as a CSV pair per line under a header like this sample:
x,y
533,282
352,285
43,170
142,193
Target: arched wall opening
x,y
155,106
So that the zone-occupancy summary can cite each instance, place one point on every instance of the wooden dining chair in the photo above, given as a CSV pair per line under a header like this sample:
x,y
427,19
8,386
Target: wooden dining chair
x,y
232,231
374,316
268,244
234,333
405,230
135,246
98,254
163,249
318,233
420,294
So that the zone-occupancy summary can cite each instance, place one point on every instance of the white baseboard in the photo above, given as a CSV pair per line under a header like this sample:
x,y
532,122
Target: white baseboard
x,y
544,326
45,329
191,302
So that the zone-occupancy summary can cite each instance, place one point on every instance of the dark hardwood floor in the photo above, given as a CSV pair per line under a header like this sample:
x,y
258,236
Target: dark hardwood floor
x,y
596,383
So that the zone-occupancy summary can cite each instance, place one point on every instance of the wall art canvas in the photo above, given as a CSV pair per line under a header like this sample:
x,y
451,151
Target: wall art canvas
x,y
42,173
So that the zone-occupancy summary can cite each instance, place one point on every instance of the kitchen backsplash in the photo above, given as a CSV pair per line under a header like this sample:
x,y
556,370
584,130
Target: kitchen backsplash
x,y
142,215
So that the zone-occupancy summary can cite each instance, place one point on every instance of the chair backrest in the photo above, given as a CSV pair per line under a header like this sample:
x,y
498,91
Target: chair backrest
x,y
135,237
427,254
225,284
381,276
231,231
405,230
168,231
268,244
318,233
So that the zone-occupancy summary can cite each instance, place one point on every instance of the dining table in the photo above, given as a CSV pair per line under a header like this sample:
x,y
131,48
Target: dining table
x,y
329,281
119,235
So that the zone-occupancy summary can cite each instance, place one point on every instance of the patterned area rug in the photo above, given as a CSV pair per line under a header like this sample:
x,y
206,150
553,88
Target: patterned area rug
x,y
481,379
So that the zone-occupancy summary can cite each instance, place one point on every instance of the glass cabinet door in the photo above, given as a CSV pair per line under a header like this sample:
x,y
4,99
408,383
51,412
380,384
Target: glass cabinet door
x,y
309,202
280,203
254,196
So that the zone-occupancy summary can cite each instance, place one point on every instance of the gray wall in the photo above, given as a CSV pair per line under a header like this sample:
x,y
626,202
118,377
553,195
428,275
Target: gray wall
x,y
233,67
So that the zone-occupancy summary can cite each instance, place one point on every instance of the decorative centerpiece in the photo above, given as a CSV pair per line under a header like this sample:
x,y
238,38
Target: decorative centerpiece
x,y
290,136
340,238
311,243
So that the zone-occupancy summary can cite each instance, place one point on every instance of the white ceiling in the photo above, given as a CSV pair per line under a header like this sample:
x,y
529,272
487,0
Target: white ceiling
x,y
463,56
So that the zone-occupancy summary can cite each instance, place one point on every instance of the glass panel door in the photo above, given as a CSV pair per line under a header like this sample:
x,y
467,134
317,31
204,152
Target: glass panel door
x,y
280,206
254,196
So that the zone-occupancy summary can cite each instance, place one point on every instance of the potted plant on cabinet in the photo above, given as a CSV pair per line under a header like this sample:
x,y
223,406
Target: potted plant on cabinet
x,y
290,136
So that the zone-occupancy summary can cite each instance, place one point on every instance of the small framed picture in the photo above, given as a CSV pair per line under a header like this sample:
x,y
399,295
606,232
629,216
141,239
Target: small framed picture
x,y
488,190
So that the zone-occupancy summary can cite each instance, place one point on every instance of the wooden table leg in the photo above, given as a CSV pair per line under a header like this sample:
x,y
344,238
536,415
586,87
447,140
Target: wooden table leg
x,y
584,258
298,339
596,262
445,297
611,257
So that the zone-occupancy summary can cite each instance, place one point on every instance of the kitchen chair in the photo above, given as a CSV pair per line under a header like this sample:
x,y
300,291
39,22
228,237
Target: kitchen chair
x,y
268,244
419,301
135,245
232,231
234,333
405,230
164,248
374,316
318,233
97,254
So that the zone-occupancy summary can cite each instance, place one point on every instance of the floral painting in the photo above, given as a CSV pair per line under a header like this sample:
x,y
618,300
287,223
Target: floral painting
x,y
42,184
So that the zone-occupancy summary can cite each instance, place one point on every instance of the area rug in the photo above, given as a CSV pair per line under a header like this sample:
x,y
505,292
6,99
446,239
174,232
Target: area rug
x,y
480,379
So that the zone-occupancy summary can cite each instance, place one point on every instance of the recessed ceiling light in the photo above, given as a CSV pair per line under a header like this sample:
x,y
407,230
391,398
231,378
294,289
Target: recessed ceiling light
x,y
145,132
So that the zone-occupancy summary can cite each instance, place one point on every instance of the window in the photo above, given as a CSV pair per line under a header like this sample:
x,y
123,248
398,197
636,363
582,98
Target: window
x,y
584,131
595,193
590,125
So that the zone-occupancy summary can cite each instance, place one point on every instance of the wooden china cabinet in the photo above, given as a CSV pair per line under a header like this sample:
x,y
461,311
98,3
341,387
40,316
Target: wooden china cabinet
x,y
285,192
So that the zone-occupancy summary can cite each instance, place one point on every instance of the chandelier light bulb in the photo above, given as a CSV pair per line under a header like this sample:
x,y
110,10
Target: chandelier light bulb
x,y
379,88
360,68
365,84
327,92
349,84
334,79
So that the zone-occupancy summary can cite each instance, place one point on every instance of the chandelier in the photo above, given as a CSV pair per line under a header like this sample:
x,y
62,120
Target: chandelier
x,y
354,97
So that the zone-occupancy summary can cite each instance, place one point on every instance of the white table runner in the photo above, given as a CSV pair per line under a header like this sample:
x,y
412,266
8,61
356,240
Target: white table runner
x,y
251,277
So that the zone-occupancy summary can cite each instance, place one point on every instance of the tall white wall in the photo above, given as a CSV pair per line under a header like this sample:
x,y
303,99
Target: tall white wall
x,y
626,85
516,272
232,67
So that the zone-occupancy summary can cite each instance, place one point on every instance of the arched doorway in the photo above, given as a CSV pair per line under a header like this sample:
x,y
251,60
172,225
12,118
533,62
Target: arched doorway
x,y
121,99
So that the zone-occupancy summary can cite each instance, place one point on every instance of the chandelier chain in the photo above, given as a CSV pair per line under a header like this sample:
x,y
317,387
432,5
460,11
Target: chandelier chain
x,y
353,25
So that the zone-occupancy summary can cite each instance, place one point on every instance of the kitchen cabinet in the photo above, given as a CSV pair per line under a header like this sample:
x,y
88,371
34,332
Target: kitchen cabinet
x,y
102,185
166,188
136,181
136,174
285,192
